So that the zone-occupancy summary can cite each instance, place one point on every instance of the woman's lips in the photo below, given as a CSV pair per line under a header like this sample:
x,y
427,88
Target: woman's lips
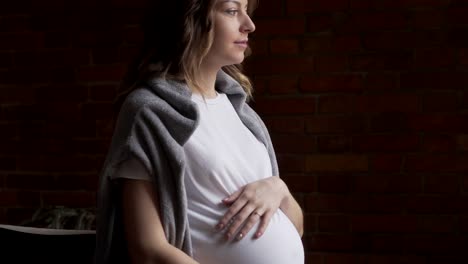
x,y
243,43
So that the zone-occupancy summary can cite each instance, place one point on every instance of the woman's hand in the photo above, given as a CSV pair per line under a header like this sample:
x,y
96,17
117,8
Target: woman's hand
x,y
256,201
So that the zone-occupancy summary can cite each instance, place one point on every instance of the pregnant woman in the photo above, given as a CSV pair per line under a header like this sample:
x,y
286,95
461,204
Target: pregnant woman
x,y
191,175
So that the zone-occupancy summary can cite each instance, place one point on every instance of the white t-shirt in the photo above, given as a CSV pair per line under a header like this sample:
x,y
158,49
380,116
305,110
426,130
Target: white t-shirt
x,y
222,156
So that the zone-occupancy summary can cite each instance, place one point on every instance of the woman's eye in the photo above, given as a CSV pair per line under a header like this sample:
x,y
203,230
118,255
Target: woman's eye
x,y
232,12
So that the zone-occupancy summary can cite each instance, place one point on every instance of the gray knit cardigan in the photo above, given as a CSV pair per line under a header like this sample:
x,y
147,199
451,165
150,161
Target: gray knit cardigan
x,y
153,125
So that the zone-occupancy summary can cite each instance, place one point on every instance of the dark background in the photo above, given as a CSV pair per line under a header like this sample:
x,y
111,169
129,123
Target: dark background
x,y
366,102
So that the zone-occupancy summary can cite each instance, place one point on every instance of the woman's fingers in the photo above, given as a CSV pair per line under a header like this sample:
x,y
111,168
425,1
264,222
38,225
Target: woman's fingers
x,y
232,214
233,197
265,221
254,217
238,221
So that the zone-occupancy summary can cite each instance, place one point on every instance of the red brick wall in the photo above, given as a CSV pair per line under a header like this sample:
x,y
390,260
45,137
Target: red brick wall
x,y
366,102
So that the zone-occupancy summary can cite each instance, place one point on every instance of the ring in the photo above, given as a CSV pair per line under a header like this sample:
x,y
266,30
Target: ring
x,y
255,213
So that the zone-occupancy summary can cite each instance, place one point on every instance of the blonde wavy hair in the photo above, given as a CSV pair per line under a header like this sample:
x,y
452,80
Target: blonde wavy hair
x,y
177,36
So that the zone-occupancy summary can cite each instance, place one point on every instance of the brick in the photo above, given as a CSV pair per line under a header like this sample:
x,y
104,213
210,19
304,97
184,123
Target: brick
x,y
390,122
28,76
7,163
437,224
299,183
283,84
456,16
333,223
462,57
386,143
259,46
77,182
462,142
399,61
294,144
303,105
93,111
280,65
320,23
17,94
386,184
388,203
132,36
62,93
21,41
30,182
17,216
387,103
440,102
22,113
128,54
397,4
437,163
457,37
291,163
273,8
309,6
105,55
392,259
57,39
6,59
289,125
259,85
336,242
101,73
425,19
93,39
386,162
434,58
52,58
337,104
335,144
441,244
310,222
56,163
88,146
384,223
442,184
103,93
11,198
463,222
336,163
438,143
430,204
334,183
332,83
361,5
78,199
439,122
331,63
375,21
280,26
330,43
342,258
401,40
15,23
284,46
335,124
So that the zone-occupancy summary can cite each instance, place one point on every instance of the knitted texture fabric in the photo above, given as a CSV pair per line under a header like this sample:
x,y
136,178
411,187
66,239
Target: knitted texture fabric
x,y
153,125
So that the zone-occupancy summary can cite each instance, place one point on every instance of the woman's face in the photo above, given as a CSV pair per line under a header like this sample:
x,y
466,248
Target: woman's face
x,y
231,27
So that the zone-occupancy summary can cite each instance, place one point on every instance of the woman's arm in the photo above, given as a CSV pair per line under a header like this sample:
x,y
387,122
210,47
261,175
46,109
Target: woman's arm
x,y
144,232
292,209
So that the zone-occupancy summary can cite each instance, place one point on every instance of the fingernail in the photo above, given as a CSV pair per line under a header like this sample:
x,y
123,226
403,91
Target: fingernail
x,y
240,236
258,234
228,235
219,227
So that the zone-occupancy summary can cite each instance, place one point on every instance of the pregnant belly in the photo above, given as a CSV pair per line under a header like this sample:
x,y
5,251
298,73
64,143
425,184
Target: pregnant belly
x,y
280,244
